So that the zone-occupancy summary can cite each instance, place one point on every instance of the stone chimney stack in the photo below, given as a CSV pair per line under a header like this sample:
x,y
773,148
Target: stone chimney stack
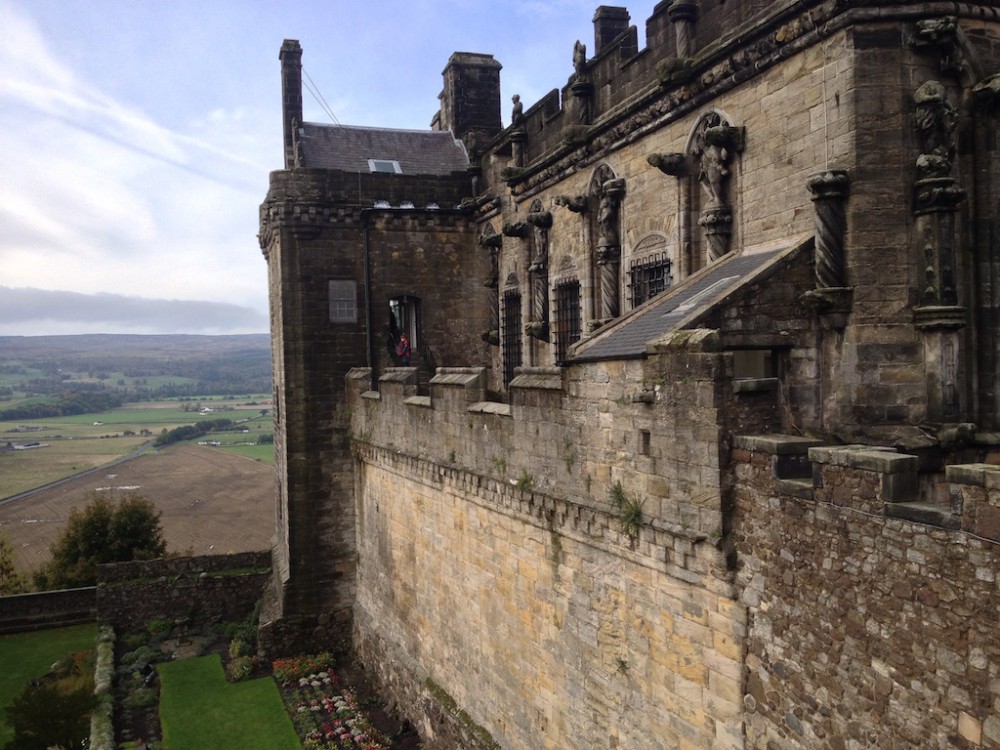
x,y
291,94
609,22
470,101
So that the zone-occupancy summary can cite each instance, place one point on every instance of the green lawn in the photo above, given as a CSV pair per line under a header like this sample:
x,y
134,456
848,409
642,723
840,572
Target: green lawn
x,y
27,656
199,709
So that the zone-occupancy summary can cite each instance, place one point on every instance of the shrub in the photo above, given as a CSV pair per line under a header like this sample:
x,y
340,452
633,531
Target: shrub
x,y
141,697
239,669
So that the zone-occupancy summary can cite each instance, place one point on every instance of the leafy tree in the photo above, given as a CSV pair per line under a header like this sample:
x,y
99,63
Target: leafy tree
x,y
56,711
12,581
102,533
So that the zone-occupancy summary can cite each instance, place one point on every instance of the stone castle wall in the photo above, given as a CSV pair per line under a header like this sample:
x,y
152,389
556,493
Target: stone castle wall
x,y
204,589
497,576
865,630
528,609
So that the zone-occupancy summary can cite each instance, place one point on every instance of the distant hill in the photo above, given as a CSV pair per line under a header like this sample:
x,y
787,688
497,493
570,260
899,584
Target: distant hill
x,y
136,365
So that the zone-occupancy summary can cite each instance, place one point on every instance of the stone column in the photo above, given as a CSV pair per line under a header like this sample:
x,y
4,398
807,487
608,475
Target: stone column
x,y
935,202
538,325
517,141
684,14
829,190
492,243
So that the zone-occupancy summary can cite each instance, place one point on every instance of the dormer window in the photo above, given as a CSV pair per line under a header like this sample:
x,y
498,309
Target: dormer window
x,y
390,166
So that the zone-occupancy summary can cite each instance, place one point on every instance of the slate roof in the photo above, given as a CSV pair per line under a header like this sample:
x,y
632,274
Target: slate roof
x,y
678,307
348,148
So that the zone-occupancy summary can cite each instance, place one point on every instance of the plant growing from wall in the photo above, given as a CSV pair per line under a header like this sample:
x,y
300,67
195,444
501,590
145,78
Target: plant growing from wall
x,y
629,510
500,464
525,482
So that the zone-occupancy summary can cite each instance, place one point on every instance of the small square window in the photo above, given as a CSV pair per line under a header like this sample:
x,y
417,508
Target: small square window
x,y
343,301
391,166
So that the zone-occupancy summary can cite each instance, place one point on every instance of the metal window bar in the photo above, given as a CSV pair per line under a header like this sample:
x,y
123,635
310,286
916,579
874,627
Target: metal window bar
x,y
567,323
511,335
648,277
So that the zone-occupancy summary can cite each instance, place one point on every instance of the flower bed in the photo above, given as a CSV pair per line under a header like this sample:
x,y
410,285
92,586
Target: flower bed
x,y
325,713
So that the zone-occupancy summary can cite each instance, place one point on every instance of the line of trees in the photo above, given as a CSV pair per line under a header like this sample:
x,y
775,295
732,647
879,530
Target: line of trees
x,y
193,431
65,404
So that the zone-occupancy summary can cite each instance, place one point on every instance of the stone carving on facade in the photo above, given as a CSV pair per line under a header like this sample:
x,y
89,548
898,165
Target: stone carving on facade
x,y
936,198
609,246
675,165
492,242
986,93
829,190
943,35
517,111
581,87
575,203
715,144
579,59
538,271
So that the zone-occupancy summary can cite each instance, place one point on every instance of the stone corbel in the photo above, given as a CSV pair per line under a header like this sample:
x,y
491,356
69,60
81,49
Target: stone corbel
x,y
516,229
540,219
941,34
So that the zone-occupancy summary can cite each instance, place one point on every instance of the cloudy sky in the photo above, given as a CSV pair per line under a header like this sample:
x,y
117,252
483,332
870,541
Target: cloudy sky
x,y
137,136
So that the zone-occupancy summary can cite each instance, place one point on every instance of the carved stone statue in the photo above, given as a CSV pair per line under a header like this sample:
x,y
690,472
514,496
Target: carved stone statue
x,y
517,113
580,58
936,121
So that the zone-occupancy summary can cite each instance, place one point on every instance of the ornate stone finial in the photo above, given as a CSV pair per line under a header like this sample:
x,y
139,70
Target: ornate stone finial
x,y
675,165
517,113
577,203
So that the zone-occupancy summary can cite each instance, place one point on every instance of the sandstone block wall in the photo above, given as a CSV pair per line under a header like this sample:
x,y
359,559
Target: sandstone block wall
x,y
497,575
865,630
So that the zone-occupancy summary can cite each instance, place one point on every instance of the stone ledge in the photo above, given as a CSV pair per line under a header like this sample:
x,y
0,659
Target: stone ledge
x,y
372,395
422,401
798,487
546,378
779,445
979,475
464,376
925,513
490,407
755,385
399,375
870,458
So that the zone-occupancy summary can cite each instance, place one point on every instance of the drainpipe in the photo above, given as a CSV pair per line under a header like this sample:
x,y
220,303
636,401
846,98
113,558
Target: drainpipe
x,y
369,339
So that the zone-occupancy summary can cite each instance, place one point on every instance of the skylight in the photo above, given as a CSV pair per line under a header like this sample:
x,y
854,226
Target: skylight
x,y
384,165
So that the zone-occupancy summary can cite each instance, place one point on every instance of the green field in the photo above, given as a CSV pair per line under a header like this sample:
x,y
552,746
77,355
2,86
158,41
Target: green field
x,y
27,656
85,441
199,709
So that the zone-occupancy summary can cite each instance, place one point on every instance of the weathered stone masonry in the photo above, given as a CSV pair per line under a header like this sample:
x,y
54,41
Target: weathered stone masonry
x,y
697,448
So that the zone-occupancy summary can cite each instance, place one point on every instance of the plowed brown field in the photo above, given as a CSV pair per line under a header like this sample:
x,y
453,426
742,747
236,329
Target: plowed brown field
x,y
211,502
